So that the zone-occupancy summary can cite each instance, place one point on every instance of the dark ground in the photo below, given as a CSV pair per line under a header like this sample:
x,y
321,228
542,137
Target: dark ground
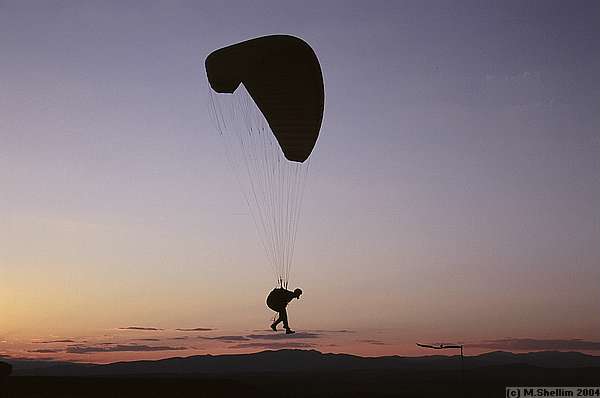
x,y
481,382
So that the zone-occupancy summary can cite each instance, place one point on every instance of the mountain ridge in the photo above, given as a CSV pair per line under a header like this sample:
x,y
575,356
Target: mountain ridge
x,y
298,360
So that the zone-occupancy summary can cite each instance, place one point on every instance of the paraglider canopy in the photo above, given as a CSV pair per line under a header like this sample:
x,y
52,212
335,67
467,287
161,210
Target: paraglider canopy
x,y
283,76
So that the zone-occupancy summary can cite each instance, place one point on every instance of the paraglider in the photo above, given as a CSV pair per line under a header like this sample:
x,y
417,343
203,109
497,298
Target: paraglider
x,y
266,101
278,300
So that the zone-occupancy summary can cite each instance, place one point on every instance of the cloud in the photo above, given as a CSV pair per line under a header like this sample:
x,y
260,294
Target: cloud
x,y
518,344
227,338
21,358
139,328
47,350
78,349
281,336
371,341
194,330
275,345
54,341
148,339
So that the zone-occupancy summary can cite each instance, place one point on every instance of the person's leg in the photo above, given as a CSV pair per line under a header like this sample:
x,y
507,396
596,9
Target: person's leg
x,y
283,317
277,320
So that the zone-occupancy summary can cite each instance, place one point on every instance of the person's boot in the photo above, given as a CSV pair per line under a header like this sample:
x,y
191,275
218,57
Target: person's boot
x,y
274,327
289,331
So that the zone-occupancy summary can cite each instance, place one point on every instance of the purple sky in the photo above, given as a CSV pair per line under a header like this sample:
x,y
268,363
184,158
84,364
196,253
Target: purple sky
x,y
454,191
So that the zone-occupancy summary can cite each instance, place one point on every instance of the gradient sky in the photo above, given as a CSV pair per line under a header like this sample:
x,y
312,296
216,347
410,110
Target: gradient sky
x,y
454,193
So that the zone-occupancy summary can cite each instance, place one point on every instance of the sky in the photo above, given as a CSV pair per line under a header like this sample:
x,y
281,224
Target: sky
x,y
453,195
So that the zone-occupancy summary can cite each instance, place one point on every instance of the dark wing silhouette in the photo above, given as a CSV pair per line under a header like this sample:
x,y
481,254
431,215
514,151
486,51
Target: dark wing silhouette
x,y
429,346
283,76
439,347
451,346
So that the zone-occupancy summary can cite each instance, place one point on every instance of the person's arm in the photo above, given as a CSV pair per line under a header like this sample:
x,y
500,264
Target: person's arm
x,y
289,296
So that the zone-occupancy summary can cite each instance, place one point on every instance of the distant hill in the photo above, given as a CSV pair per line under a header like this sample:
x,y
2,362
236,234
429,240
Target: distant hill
x,y
299,361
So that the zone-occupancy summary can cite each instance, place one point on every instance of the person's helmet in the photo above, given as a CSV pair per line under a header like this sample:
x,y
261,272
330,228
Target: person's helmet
x,y
297,292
